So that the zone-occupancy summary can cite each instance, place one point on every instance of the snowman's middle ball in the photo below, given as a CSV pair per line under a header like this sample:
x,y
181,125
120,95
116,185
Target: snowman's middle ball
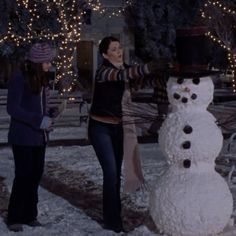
x,y
192,136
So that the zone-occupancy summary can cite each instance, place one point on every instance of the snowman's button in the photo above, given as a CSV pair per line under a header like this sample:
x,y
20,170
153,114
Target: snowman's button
x,y
184,100
187,163
186,145
180,80
176,96
188,129
194,96
196,80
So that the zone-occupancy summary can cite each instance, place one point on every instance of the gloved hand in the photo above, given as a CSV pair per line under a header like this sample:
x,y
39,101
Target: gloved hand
x,y
46,123
159,65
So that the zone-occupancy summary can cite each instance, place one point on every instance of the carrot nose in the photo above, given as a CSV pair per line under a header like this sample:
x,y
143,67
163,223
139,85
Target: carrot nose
x,y
186,89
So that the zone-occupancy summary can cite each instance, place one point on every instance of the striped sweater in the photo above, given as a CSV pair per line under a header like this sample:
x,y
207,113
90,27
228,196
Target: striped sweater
x,y
109,86
111,73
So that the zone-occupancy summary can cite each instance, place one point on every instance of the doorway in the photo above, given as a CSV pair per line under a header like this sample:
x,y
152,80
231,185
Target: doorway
x,y
85,63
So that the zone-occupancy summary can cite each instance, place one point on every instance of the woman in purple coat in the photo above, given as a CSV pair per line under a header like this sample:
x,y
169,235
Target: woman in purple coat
x,y
27,105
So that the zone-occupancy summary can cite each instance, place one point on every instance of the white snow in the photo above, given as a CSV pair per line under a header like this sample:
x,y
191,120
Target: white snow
x,y
206,138
198,200
59,217
191,199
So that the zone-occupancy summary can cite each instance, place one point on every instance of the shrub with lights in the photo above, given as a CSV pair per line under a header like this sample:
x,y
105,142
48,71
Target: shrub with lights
x,y
220,17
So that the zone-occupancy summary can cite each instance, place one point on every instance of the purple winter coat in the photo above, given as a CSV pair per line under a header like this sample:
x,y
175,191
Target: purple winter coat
x,y
26,110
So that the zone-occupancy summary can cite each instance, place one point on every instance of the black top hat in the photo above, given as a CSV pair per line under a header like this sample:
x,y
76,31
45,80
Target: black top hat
x,y
192,50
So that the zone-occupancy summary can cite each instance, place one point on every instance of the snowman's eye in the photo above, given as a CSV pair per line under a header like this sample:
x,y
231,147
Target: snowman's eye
x,y
186,145
196,80
194,96
180,80
176,96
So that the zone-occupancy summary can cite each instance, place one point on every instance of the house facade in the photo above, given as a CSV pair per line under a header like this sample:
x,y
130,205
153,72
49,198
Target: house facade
x,y
102,25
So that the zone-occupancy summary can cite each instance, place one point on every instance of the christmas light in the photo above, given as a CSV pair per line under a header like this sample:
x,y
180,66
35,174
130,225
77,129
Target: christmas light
x,y
111,11
69,20
66,37
223,33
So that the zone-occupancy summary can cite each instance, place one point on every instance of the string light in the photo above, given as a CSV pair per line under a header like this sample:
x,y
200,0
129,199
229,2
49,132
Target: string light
x,y
94,5
67,36
222,38
110,11
220,5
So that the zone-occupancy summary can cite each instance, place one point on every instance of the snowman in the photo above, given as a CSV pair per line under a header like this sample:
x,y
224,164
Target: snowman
x,y
190,198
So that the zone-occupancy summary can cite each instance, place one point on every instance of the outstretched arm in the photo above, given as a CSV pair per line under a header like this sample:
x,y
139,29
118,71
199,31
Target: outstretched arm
x,y
105,73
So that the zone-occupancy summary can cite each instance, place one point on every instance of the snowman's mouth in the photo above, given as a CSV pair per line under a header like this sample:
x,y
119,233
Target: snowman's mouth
x,y
187,163
184,99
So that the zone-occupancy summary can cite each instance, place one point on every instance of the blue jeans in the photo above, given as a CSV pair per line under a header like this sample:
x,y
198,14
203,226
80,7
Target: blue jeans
x,y
29,165
107,141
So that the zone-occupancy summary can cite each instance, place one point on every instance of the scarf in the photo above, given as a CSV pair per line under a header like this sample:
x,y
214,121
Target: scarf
x,y
133,176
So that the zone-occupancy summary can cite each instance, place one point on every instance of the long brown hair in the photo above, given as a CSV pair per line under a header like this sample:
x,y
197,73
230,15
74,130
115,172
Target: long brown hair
x,y
104,44
35,76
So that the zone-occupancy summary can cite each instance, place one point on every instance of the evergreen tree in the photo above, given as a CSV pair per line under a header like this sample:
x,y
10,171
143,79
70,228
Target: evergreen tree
x,y
154,24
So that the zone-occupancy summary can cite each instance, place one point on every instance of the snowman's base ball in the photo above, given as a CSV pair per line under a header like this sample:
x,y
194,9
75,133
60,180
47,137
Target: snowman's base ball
x,y
189,202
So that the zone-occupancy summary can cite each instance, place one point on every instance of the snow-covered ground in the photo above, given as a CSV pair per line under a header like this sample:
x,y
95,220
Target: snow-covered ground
x,y
60,217
77,166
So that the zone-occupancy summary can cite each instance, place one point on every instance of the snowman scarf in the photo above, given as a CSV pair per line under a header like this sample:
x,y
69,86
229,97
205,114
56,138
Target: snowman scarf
x,y
132,167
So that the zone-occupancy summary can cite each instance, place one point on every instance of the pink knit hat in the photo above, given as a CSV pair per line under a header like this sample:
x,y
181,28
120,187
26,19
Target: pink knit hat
x,y
40,53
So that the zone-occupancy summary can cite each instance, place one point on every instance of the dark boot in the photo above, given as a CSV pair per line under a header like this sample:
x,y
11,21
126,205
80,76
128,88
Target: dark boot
x,y
15,227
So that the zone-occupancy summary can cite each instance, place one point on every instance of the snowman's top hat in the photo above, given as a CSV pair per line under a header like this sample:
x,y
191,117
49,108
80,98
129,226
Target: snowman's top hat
x,y
192,51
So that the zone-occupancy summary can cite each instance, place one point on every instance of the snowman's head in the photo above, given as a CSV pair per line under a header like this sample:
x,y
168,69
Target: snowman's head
x,y
196,92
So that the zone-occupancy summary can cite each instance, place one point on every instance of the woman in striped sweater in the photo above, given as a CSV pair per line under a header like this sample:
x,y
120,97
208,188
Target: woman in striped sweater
x,y
105,126
27,105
